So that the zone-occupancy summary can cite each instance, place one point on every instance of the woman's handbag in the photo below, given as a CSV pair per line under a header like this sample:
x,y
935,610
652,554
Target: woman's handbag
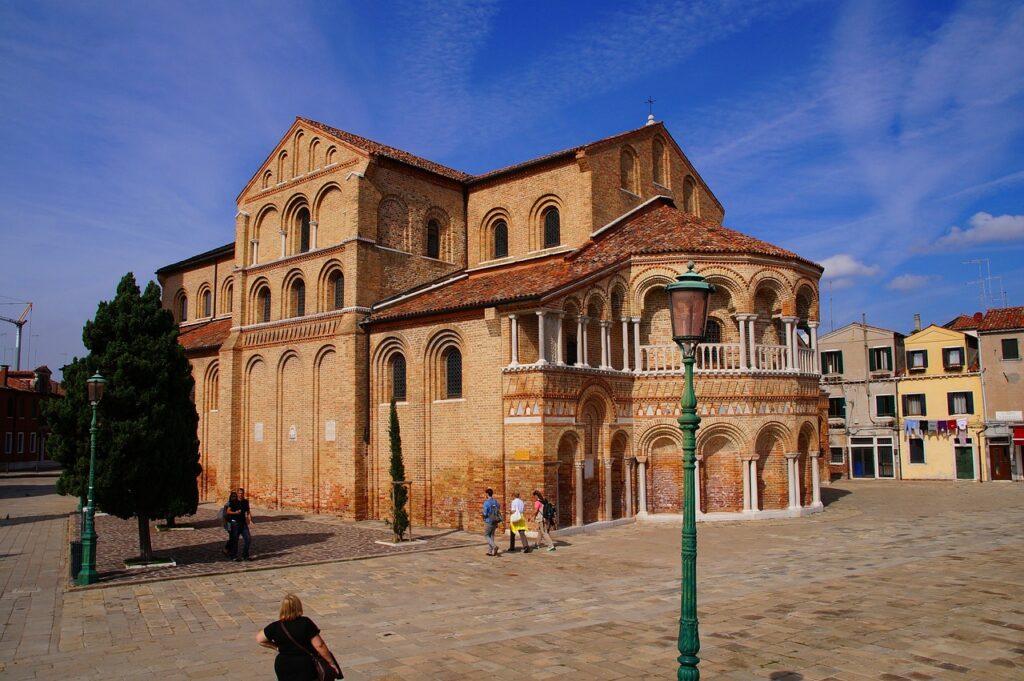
x,y
516,516
324,670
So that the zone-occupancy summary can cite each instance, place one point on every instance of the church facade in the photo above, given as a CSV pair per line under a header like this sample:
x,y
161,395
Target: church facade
x,y
519,320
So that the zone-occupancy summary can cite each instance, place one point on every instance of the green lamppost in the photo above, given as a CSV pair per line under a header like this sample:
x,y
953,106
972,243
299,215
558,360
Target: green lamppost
x,y
87,575
688,305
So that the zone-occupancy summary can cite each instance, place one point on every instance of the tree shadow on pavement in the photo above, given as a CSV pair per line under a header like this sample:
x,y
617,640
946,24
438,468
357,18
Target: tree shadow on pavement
x,y
20,520
830,495
786,676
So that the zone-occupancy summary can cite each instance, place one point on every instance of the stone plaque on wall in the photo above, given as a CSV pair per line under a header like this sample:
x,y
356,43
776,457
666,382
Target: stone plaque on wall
x,y
329,430
258,431
293,433
588,468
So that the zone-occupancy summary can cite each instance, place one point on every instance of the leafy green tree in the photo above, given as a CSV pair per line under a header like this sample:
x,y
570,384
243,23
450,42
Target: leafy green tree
x,y
400,493
147,451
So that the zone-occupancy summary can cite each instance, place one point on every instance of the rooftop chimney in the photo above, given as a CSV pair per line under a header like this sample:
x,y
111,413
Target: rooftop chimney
x,y
3,374
917,322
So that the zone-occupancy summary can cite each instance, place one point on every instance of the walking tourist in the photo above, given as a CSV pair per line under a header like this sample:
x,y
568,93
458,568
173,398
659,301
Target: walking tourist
x,y
225,520
517,523
492,517
543,515
298,643
239,516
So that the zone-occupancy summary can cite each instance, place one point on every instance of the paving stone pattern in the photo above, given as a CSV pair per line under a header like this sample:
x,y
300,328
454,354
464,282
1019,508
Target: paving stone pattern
x,y
895,582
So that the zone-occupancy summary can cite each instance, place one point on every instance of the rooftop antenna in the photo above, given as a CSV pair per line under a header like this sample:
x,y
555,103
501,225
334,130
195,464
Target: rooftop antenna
x,y
989,296
650,110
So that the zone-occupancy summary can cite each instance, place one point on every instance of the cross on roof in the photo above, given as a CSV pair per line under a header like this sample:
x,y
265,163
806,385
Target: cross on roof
x,y
650,104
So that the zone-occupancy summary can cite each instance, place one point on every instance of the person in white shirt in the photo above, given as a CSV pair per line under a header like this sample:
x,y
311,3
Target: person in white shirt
x,y
517,523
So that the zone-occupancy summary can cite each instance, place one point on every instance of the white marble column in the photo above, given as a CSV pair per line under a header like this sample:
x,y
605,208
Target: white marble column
x,y
746,486
284,242
741,322
515,340
580,342
696,484
755,504
608,515
815,480
606,345
752,340
790,350
636,344
578,465
625,343
254,246
813,326
794,479
641,488
586,322
312,234
560,350
542,345
628,470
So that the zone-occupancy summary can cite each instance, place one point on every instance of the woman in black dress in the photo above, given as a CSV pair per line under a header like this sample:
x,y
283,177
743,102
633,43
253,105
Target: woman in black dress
x,y
295,662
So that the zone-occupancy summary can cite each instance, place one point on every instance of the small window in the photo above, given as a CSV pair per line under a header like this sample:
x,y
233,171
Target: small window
x,y
398,378
10,407
500,239
21,443
960,403
263,304
32,443
183,308
953,358
885,405
570,349
917,360
916,450
1010,348
914,405
303,230
880,359
712,331
336,284
552,228
207,303
228,302
627,171
297,304
433,239
832,362
658,161
453,374
835,456
689,195
8,442
837,407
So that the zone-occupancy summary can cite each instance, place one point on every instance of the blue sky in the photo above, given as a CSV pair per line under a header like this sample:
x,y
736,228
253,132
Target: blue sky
x,y
885,140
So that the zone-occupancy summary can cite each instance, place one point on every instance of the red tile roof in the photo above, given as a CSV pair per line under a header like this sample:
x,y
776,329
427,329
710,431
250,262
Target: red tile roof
x,y
1003,319
24,380
205,336
964,322
657,227
378,149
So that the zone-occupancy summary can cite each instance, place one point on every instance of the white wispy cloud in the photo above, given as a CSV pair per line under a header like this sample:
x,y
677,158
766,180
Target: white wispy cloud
x,y
842,266
984,229
910,282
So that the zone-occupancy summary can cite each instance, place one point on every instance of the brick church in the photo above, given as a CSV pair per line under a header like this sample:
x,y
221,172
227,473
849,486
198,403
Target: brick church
x,y
519,320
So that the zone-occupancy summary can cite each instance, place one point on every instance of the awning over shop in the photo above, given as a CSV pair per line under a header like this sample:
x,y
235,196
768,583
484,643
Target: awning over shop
x,y
1018,435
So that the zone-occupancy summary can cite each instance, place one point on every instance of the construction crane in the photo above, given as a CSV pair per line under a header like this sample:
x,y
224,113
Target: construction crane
x,y
19,322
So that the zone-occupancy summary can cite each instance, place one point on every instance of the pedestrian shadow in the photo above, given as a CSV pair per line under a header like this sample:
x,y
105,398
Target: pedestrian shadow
x,y
785,676
21,520
830,495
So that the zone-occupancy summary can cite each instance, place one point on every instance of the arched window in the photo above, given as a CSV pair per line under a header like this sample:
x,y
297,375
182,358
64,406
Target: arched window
x,y
297,298
398,377
433,239
689,195
336,290
227,295
453,374
552,228
658,161
303,220
207,303
713,331
182,307
500,239
263,304
627,171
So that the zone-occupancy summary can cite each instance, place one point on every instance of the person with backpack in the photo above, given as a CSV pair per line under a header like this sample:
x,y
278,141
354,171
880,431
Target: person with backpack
x,y
544,516
492,518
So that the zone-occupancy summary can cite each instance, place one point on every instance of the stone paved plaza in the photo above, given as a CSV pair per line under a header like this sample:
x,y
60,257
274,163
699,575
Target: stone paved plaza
x,y
893,581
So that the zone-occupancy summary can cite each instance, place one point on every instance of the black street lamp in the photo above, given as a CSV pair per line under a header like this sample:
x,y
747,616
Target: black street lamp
x,y
87,575
688,306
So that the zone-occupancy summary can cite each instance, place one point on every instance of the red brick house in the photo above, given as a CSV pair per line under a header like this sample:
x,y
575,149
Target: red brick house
x,y
24,434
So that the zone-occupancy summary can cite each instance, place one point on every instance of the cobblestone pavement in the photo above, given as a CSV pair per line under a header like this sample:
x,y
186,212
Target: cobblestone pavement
x,y
278,540
904,581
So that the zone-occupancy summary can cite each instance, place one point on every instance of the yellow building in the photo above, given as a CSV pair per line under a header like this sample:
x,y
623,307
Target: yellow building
x,y
941,415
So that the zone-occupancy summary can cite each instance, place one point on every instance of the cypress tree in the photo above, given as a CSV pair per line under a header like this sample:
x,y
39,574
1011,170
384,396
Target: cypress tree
x,y
400,493
147,450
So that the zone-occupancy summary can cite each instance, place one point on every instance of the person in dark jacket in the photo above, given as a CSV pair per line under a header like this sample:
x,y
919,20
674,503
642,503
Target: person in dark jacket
x,y
294,660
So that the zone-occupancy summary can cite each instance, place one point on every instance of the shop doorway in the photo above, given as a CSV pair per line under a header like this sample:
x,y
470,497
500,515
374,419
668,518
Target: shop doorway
x,y
965,463
999,461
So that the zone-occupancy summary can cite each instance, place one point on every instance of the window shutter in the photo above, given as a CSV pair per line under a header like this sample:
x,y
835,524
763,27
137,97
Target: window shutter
x,y
840,354
949,403
924,353
842,407
910,359
872,364
924,408
888,355
970,403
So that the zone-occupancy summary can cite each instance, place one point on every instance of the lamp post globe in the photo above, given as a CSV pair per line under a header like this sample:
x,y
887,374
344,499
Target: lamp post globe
x,y
95,385
688,307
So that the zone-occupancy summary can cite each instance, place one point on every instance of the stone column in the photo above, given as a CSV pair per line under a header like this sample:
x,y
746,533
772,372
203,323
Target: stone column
x,y
560,351
696,484
627,466
813,326
636,344
542,346
741,323
608,515
794,479
606,328
579,493
581,329
641,488
815,480
515,340
255,252
312,234
752,340
790,350
625,343
586,321
746,486
755,504
284,241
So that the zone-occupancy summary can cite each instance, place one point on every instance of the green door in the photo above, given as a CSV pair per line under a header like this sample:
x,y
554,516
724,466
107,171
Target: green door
x,y
964,463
